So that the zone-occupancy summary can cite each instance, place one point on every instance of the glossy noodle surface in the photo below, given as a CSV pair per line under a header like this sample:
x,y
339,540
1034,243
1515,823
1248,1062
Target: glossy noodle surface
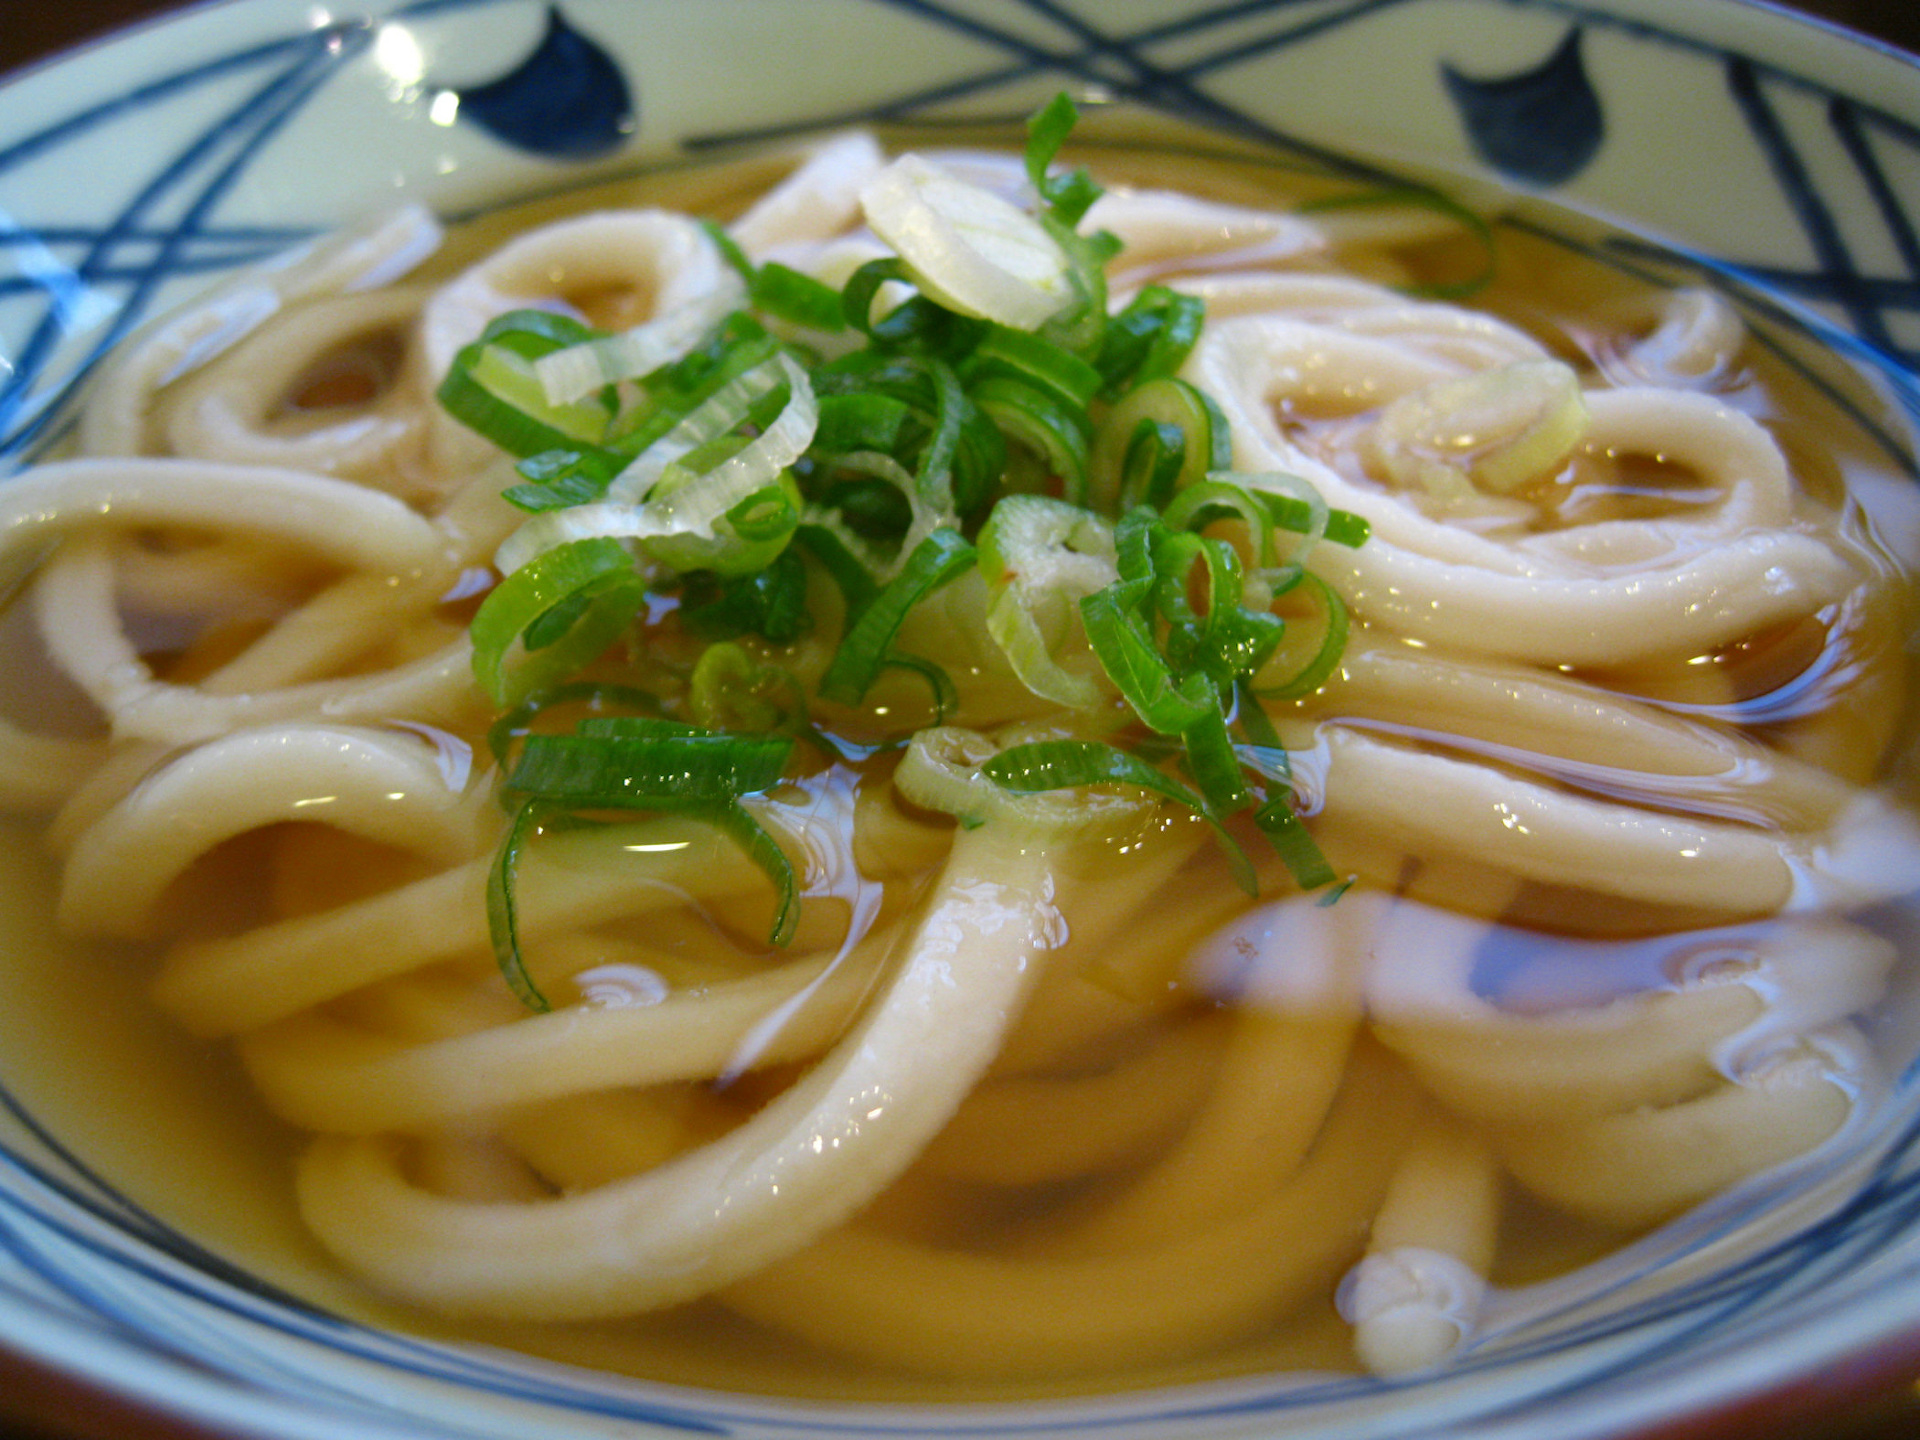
x,y
1033,1094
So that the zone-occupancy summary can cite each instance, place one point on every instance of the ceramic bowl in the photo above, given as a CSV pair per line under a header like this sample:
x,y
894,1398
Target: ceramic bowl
x,y
1781,157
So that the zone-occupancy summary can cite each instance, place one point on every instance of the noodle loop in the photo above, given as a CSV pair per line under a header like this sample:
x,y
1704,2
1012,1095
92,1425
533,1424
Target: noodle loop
x,y
872,923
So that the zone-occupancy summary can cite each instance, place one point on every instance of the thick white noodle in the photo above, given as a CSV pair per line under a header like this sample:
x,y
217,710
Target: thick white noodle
x,y
1031,1129
119,401
652,259
969,1014
1583,595
328,1076
819,201
383,785
1437,804
1166,231
950,1311
1687,1009
227,411
571,879
1415,1297
334,519
1555,725
85,633
38,771
800,1167
1640,1166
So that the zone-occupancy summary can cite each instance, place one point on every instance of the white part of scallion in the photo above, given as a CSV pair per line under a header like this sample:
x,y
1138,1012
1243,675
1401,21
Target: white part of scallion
x,y
577,371
968,249
721,413
692,508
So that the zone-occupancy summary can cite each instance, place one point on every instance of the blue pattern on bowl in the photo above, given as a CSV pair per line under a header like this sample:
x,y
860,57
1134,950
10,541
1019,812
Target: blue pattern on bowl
x,y
108,1280
1538,126
567,99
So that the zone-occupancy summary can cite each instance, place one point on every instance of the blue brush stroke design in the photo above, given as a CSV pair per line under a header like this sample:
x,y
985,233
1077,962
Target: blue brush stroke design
x,y
204,169
1540,126
1840,278
566,101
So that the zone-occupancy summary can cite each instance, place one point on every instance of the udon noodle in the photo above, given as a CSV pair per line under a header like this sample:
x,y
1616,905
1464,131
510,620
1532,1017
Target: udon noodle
x,y
1041,1094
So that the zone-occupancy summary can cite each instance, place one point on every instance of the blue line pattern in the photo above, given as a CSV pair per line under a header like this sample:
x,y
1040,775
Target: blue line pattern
x,y
1538,127
75,1251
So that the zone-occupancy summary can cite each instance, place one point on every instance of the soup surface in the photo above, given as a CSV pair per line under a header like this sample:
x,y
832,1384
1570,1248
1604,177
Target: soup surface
x,y
849,774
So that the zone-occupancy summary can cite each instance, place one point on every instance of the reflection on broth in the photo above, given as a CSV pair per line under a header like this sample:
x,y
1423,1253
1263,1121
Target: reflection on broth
x,y
1526,889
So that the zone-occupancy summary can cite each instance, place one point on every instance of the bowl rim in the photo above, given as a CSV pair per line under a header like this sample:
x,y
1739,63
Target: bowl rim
x,y
66,1355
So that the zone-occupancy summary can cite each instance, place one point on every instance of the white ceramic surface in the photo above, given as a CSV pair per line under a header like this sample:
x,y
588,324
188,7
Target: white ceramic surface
x,y
1781,157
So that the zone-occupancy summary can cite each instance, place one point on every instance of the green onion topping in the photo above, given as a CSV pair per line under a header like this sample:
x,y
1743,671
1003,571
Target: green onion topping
x,y
735,465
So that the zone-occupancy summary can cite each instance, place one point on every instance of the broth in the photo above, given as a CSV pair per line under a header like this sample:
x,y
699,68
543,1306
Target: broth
x,y
1177,1132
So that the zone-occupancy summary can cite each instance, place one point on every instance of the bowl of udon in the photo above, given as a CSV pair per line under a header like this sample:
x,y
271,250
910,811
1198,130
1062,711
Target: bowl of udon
x,y
889,720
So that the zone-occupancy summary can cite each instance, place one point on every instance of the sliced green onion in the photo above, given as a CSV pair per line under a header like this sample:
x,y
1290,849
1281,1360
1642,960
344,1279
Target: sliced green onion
x,y
965,247
730,690
864,650
950,409
1069,764
940,771
742,540
646,763
872,506
741,344
796,296
761,848
596,575
559,478
503,909
768,513
1294,844
493,387
843,555
1297,508
1067,196
722,412
780,290
960,443
1310,651
1038,557
515,722
1169,403
1491,431
1265,756
1054,432
685,524
730,250
1199,579
946,695
1276,818
570,374
1082,325
879,498
1220,498
1215,768
862,421
771,602
1149,339
1168,703
1036,361
916,323
1237,640
1152,463
1294,505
